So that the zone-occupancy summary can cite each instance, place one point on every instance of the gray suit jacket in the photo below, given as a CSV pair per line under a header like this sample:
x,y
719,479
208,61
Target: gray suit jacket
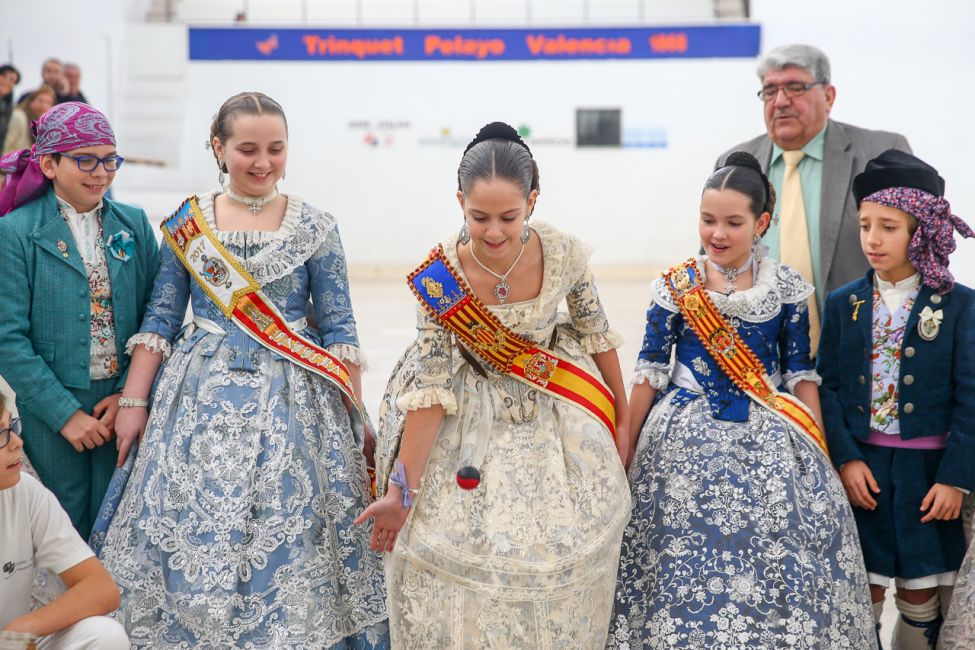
x,y
846,152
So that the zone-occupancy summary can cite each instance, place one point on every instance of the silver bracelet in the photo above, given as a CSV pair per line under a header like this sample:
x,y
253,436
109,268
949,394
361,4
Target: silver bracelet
x,y
132,402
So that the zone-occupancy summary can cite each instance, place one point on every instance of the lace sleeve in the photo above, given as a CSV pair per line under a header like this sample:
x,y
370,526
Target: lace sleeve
x,y
589,317
170,295
432,382
329,283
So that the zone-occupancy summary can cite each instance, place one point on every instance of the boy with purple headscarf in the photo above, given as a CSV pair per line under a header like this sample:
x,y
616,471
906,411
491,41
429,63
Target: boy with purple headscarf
x,y
78,273
897,360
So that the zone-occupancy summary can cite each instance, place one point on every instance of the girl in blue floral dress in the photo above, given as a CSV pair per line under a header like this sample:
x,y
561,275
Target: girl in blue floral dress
x,y
235,526
740,535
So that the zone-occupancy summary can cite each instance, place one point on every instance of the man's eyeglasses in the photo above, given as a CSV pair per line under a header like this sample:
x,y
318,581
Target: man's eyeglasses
x,y
90,163
15,427
792,89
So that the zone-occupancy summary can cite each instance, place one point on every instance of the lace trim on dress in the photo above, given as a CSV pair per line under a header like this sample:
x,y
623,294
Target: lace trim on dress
x,y
792,378
648,372
350,354
422,398
600,342
774,285
152,341
303,231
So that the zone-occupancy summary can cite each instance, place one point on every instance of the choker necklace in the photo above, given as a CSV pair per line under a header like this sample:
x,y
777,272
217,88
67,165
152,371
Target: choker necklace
x,y
254,204
731,273
502,289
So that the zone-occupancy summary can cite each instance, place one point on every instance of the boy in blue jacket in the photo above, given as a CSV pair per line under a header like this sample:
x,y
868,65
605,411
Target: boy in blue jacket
x,y
897,360
78,271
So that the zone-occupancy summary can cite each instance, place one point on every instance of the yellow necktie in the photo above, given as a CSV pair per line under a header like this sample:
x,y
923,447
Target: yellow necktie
x,y
794,237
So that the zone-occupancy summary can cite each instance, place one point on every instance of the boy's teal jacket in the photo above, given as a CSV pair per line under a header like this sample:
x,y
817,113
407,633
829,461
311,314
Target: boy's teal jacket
x,y
936,390
44,328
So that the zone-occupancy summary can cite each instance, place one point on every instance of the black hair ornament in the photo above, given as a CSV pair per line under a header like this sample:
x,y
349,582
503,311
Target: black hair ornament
x,y
498,131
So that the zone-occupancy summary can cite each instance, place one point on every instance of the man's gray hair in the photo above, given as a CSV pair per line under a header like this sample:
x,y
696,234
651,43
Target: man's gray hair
x,y
809,58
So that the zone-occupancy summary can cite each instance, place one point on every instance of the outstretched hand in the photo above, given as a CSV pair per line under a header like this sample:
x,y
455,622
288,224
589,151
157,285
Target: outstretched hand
x,y
388,515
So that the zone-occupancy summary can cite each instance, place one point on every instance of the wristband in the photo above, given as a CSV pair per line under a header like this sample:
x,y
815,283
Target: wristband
x,y
132,402
398,478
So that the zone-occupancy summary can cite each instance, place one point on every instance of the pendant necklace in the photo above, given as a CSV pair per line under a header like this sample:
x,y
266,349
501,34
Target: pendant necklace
x,y
254,203
731,273
502,289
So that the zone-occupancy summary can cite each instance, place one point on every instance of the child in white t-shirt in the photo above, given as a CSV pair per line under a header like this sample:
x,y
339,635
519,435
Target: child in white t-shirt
x,y
35,532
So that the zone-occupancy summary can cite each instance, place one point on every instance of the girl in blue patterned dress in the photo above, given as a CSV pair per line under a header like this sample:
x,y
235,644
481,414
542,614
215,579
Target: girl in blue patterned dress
x,y
740,536
235,526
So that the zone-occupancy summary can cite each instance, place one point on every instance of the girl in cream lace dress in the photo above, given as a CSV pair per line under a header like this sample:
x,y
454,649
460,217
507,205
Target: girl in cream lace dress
x,y
235,528
528,558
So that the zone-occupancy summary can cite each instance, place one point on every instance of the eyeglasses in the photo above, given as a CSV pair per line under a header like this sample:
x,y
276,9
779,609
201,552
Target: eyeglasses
x,y
15,427
90,163
791,89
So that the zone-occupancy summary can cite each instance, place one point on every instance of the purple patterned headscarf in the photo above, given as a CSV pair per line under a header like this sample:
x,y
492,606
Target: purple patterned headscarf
x,y
64,128
934,239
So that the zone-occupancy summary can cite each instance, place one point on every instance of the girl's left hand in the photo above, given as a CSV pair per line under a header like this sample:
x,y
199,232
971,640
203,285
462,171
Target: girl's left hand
x,y
388,516
107,410
942,502
369,446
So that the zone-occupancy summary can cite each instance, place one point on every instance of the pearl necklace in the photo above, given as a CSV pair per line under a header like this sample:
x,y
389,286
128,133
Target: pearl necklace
x,y
502,289
254,204
731,273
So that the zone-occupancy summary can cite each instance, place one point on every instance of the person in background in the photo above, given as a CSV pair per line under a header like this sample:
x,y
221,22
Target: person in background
x,y
52,74
9,78
72,77
19,134
811,160
36,533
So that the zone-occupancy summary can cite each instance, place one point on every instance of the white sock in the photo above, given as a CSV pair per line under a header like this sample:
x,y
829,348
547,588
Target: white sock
x,y
878,610
917,626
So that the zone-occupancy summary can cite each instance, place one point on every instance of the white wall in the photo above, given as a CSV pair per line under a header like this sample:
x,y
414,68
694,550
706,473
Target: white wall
x,y
898,65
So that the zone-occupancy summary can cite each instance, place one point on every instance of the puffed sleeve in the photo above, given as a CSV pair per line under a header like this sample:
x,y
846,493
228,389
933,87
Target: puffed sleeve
x,y
167,307
794,333
432,382
589,317
653,364
329,282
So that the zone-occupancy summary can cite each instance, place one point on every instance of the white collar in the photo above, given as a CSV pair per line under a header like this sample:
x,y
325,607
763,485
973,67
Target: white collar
x,y
68,210
904,285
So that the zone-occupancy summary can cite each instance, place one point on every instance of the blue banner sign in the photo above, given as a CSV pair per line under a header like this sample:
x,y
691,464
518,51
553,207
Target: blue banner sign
x,y
315,44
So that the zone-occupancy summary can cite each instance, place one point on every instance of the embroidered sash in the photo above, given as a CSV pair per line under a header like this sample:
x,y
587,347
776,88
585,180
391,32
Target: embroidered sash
x,y
732,354
446,296
239,297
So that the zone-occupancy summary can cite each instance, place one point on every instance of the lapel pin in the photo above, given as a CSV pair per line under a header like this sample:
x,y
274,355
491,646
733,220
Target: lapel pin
x,y
63,247
930,323
856,307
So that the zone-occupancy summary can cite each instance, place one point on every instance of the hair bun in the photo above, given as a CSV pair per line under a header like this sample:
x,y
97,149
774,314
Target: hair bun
x,y
744,159
497,131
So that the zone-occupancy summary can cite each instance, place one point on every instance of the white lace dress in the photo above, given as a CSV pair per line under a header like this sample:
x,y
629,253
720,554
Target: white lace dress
x,y
529,558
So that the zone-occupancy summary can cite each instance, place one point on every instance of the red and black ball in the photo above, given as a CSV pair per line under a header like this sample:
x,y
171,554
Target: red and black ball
x,y
468,477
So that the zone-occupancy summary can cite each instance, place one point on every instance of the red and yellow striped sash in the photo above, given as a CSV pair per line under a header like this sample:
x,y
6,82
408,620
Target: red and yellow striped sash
x,y
448,298
732,354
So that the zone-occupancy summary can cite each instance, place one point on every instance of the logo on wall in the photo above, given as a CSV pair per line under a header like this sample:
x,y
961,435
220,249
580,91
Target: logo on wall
x,y
444,138
379,133
267,46
644,137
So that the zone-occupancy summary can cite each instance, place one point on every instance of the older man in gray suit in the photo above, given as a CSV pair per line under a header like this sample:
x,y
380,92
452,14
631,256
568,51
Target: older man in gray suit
x,y
811,160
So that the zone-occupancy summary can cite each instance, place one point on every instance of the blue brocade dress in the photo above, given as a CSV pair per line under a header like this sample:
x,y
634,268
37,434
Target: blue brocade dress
x,y
234,529
741,535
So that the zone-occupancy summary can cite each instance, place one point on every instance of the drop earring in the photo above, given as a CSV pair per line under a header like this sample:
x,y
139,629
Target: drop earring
x,y
465,234
526,233
759,250
220,177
